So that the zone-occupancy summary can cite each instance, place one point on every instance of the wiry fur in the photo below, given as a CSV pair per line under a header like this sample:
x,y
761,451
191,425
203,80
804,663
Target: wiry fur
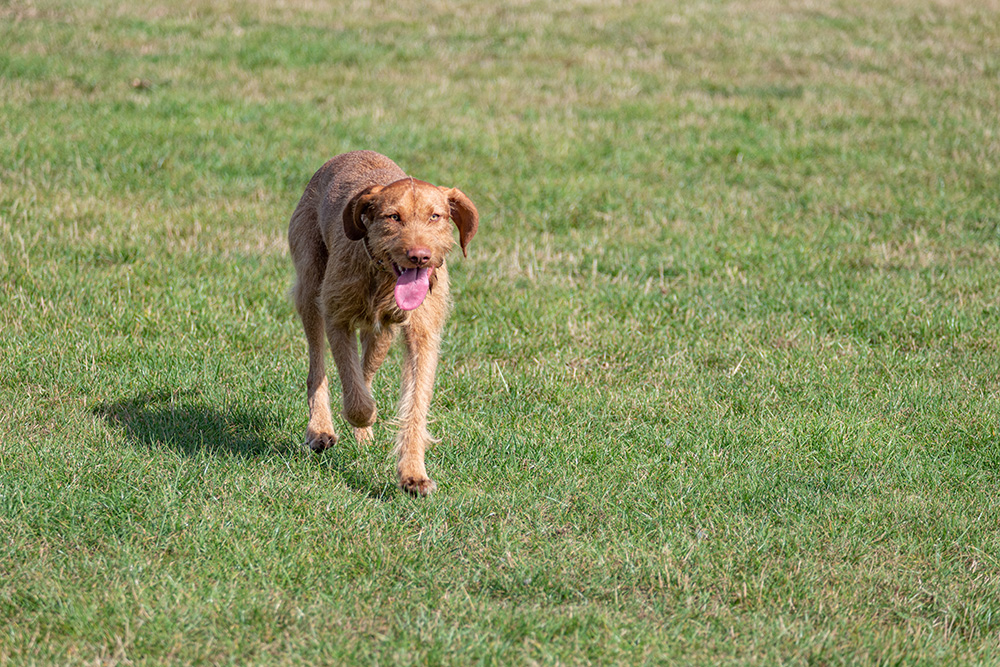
x,y
343,291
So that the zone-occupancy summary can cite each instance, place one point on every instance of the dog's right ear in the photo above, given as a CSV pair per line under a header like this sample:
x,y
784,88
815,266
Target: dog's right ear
x,y
354,226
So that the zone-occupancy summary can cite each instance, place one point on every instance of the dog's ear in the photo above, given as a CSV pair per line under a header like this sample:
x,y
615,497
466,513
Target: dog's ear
x,y
354,226
465,215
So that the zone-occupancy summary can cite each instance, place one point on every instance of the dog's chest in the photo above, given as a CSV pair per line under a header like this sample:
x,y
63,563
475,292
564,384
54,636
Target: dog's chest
x,y
381,310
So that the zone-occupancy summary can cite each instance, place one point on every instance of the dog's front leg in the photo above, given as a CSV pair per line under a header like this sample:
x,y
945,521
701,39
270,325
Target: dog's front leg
x,y
374,348
419,366
359,408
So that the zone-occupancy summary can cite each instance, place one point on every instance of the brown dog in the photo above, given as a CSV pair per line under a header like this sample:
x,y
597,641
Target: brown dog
x,y
369,244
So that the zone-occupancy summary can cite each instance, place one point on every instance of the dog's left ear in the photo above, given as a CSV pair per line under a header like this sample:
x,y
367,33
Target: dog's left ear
x,y
465,215
354,226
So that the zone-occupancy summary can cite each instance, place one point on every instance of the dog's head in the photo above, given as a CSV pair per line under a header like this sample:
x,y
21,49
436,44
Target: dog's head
x,y
407,221
406,225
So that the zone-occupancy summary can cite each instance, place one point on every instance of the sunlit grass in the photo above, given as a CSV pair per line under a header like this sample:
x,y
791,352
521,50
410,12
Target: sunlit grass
x,y
720,385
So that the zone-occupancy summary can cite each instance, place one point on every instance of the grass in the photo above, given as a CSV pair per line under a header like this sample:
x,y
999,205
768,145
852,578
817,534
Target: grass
x,y
721,384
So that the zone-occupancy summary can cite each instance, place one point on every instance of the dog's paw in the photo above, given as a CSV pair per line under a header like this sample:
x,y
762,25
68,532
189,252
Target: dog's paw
x,y
364,435
417,486
319,442
361,414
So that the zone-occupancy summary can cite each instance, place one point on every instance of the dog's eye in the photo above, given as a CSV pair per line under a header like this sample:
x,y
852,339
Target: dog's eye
x,y
435,216
395,216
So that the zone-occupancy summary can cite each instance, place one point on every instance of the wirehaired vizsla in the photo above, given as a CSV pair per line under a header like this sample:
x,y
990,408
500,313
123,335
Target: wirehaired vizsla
x,y
369,244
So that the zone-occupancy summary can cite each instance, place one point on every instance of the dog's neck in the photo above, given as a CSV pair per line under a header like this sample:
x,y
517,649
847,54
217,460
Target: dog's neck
x,y
379,264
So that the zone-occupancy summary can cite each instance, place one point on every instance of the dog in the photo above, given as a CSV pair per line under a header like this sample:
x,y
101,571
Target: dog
x,y
369,245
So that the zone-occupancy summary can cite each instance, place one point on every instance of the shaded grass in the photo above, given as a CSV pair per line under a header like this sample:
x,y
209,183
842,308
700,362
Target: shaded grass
x,y
720,384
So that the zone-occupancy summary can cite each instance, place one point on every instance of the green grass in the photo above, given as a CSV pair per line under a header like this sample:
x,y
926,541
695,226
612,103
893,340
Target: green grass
x,y
721,385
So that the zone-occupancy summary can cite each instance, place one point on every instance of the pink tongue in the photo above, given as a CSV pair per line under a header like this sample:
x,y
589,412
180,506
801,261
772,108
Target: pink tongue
x,y
411,288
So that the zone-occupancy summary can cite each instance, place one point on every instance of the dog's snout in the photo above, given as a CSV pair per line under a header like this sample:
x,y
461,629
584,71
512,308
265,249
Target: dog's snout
x,y
419,256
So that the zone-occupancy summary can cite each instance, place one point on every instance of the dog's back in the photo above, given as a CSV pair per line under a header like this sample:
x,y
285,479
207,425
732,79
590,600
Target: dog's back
x,y
332,187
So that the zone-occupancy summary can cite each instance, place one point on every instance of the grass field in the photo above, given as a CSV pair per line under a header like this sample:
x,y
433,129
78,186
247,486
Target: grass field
x,y
721,384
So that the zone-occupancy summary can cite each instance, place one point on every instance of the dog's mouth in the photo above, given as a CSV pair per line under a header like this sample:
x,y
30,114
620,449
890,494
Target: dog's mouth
x,y
412,286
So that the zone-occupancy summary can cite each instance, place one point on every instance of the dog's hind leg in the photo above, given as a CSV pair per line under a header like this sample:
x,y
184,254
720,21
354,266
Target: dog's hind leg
x,y
310,256
319,433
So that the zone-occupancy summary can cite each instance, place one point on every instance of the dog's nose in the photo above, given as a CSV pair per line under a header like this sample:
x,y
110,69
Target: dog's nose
x,y
419,256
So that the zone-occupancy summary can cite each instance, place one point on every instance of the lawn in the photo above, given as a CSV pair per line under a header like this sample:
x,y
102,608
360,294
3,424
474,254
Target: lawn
x,y
721,384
